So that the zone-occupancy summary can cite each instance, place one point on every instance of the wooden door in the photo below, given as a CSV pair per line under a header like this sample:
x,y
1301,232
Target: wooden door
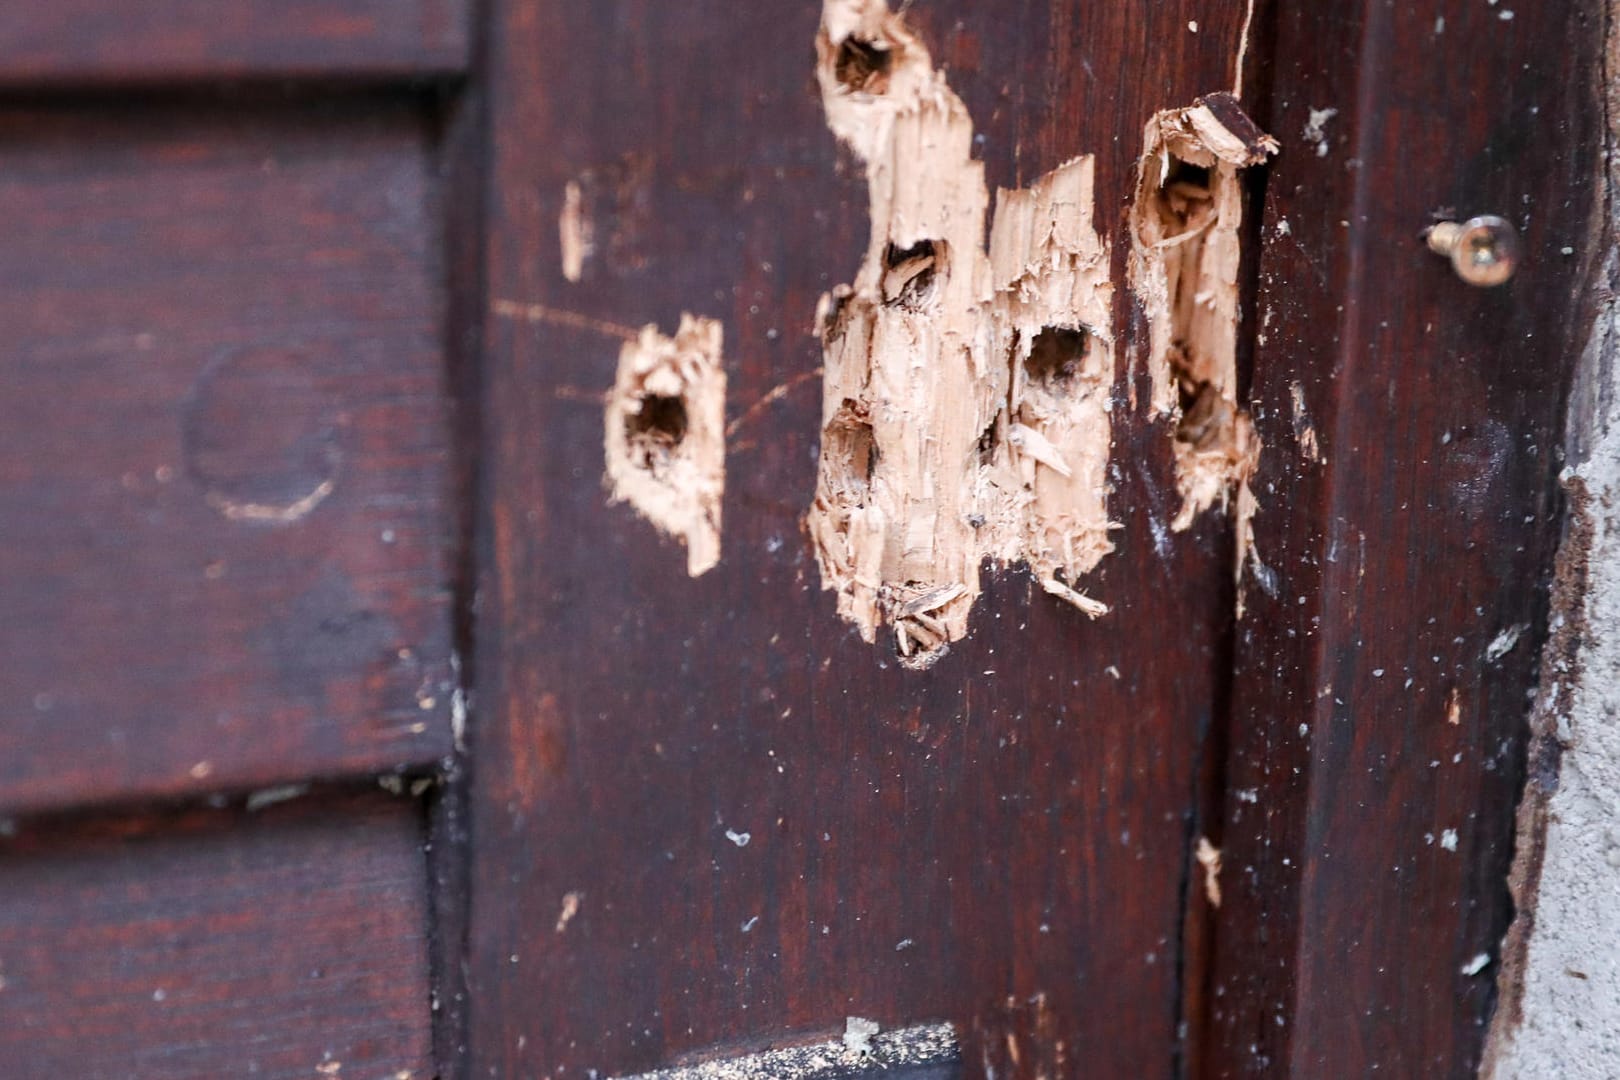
x,y
443,448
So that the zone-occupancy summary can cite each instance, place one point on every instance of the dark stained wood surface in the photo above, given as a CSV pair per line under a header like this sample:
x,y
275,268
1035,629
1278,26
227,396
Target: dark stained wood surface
x,y
79,42
211,943
1002,842
1407,569
224,512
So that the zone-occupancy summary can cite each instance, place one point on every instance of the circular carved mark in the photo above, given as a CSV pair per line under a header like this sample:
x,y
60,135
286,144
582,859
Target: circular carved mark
x,y
262,436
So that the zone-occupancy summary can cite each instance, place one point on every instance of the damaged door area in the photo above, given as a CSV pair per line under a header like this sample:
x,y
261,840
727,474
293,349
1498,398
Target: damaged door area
x,y
966,390
1186,250
665,434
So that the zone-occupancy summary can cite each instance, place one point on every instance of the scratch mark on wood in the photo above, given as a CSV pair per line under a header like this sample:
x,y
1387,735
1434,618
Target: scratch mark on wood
x,y
770,398
573,320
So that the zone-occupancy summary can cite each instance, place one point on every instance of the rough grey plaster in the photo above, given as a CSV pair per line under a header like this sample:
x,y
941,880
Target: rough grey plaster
x,y
1567,984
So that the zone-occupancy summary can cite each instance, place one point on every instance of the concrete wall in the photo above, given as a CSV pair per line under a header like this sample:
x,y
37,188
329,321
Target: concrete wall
x,y
1559,1014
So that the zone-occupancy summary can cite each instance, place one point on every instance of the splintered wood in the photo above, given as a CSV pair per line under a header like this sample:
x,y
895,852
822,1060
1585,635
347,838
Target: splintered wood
x,y
965,413
1186,251
666,453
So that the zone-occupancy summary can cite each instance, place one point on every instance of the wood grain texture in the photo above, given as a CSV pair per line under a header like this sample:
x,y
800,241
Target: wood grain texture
x,y
223,445
1382,669
210,943
80,42
1003,841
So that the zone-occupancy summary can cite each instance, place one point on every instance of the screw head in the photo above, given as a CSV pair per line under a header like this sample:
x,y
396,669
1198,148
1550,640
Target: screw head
x,y
1484,250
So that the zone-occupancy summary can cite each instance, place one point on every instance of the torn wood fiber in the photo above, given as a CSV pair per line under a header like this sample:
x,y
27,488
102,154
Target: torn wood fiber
x,y
1186,251
966,391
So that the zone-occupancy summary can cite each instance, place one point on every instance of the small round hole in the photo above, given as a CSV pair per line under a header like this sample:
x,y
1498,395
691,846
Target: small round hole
x,y
661,420
1057,354
911,275
863,66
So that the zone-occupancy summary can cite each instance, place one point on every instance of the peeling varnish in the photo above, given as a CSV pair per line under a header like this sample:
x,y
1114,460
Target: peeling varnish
x,y
1304,430
570,908
574,232
1186,253
1242,51
965,395
665,434
1209,857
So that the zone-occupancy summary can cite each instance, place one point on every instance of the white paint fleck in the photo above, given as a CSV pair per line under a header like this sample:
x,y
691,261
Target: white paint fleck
x,y
1448,839
270,796
1503,643
1477,964
739,838
1315,131
750,924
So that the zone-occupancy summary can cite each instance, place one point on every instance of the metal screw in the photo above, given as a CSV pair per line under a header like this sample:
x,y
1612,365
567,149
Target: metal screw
x,y
1483,250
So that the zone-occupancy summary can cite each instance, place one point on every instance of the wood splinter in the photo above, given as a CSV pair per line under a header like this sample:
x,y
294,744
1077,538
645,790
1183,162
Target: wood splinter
x,y
1186,252
965,394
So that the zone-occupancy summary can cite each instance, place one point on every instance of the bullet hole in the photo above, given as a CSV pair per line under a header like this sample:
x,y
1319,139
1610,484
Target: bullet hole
x,y
1057,355
849,440
988,441
657,428
863,66
911,274
1186,201
1207,416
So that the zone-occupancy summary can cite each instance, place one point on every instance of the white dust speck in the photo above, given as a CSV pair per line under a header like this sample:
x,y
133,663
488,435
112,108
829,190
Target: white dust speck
x,y
270,796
